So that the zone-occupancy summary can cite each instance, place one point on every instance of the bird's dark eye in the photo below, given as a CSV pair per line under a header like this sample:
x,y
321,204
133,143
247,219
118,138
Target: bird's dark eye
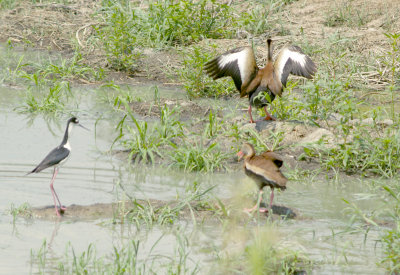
x,y
278,162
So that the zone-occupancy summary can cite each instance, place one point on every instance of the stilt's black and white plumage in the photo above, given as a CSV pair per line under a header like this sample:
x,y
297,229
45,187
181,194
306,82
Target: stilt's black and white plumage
x,y
56,158
240,64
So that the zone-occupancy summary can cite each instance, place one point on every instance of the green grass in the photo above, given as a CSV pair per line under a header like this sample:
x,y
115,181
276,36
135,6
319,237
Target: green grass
x,y
265,252
348,15
51,102
195,81
199,157
73,68
131,257
126,29
24,210
366,153
138,138
263,18
7,4
391,237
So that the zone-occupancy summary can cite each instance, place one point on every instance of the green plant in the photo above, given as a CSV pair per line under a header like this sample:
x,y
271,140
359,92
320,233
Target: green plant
x,y
183,22
195,81
365,153
260,19
68,69
198,157
392,61
391,237
346,14
265,252
52,102
118,35
24,210
169,126
139,140
7,4
213,126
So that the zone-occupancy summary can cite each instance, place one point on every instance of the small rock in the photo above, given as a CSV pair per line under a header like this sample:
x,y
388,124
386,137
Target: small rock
x,y
263,124
248,127
367,121
386,122
170,102
317,135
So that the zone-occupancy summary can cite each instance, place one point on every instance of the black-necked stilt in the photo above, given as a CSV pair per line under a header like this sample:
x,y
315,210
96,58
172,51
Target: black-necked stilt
x,y
57,157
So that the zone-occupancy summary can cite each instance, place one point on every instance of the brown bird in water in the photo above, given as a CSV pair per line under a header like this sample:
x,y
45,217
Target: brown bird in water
x,y
251,81
264,170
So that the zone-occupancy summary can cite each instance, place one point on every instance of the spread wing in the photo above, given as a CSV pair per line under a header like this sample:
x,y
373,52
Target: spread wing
x,y
54,157
239,63
292,60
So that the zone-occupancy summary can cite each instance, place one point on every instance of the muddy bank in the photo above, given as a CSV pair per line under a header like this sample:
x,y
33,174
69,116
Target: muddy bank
x,y
121,211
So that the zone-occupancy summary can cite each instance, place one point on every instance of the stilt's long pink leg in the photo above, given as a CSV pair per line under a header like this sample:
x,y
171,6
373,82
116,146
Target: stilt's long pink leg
x,y
59,203
54,192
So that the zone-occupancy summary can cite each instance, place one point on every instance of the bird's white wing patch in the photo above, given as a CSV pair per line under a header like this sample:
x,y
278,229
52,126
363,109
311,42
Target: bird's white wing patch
x,y
284,56
241,58
291,60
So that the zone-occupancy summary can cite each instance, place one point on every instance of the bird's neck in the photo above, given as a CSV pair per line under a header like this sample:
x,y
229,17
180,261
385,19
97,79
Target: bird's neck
x,y
269,51
67,133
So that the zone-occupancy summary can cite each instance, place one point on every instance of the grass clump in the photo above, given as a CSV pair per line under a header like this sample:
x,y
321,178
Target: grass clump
x,y
144,141
8,4
131,257
391,237
141,142
366,152
198,157
174,22
41,102
195,81
118,35
24,210
169,213
261,18
266,252
321,100
68,69
126,28
346,14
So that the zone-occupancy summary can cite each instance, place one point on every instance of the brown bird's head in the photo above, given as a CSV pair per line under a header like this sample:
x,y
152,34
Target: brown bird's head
x,y
247,151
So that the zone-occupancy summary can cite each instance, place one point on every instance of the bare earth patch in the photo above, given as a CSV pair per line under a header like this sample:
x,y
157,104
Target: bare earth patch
x,y
122,210
60,27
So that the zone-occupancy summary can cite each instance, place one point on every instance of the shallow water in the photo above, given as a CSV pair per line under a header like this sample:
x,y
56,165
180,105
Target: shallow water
x,y
91,175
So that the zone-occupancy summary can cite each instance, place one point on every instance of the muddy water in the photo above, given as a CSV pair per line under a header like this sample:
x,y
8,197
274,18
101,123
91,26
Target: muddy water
x,y
90,176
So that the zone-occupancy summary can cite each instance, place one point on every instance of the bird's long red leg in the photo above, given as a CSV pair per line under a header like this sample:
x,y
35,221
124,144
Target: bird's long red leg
x,y
268,115
54,192
262,210
271,198
251,117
